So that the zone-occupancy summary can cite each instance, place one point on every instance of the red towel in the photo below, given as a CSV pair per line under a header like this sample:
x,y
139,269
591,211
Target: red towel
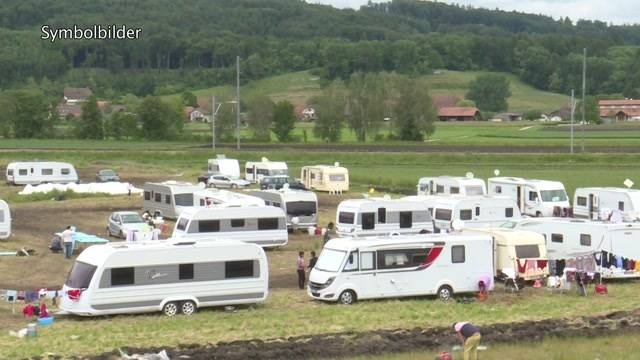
x,y
542,264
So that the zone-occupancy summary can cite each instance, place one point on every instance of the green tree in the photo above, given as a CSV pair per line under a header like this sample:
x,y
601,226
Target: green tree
x,y
260,117
29,112
188,99
489,92
532,115
592,114
284,120
159,120
537,66
366,102
330,109
90,124
413,112
466,103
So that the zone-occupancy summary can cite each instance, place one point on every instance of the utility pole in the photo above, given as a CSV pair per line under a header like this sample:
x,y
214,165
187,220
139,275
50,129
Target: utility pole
x,y
238,102
213,122
573,110
584,90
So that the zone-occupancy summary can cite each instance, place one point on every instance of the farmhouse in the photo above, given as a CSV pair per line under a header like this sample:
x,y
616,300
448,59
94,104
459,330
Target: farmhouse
x,y
619,110
459,114
76,95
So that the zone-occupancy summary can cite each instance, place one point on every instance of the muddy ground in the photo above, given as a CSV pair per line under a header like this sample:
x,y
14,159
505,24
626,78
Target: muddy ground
x,y
349,344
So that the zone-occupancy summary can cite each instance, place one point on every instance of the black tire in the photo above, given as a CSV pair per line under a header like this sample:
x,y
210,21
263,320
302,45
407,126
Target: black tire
x,y
170,309
121,235
445,292
188,307
347,297
234,186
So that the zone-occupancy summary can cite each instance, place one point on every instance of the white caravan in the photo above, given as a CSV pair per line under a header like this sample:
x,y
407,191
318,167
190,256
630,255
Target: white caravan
x,y
212,197
331,178
254,171
262,225
473,211
394,266
300,206
568,238
451,185
5,220
40,172
172,277
513,246
381,216
534,197
224,166
168,199
592,202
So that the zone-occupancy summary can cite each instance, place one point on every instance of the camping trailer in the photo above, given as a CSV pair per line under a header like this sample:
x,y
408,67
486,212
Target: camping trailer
x,y
5,220
224,166
451,185
382,216
300,206
40,172
473,211
254,171
168,276
167,199
262,225
331,178
568,238
212,197
533,197
593,202
395,266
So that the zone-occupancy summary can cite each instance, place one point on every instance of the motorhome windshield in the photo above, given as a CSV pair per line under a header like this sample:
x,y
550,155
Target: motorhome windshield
x,y
473,190
80,275
301,208
443,214
183,199
346,217
553,195
182,224
330,260
131,219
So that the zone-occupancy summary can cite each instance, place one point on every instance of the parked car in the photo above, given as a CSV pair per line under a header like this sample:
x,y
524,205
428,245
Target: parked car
x,y
122,221
107,175
204,178
224,181
276,182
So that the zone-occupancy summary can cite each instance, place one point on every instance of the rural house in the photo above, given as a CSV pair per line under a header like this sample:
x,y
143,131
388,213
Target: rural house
x,y
619,110
508,116
459,114
305,113
200,114
76,95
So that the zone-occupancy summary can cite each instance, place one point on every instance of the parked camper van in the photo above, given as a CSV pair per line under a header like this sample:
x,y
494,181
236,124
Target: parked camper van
x,y
325,178
172,277
39,172
451,185
534,197
254,171
224,166
590,202
568,238
300,206
167,199
5,220
473,211
381,216
394,266
262,225
217,197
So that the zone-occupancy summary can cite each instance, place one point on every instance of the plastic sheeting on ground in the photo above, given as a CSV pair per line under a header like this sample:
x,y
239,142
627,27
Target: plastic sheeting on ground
x,y
113,188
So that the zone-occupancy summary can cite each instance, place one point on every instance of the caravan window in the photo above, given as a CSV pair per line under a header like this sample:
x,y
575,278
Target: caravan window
x,y
183,199
582,201
439,189
268,224
46,171
301,208
508,212
80,275
238,269
368,221
585,239
352,262
205,226
457,254
182,224
65,171
275,204
158,197
466,214
422,187
346,217
406,219
185,271
22,172
10,172
533,195
337,177
367,260
473,190
147,195
454,190
167,199
553,195
621,205
262,172
401,258
237,223
122,276
527,251
382,215
443,214
498,189
249,170
477,210
556,238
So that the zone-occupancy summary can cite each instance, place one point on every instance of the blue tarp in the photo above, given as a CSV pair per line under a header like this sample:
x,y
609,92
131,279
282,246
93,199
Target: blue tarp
x,y
84,238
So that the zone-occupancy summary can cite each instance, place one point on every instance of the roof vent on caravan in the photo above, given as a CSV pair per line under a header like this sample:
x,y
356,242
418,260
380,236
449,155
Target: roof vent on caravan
x,y
469,175
180,243
628,183
336,164
496,172
264,159
221,156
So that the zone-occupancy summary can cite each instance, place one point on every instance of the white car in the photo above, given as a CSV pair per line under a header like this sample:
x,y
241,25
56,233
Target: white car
x,y
122,221
223,181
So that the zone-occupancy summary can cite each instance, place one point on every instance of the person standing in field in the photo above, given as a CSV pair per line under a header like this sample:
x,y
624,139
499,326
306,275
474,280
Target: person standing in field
x,y
313,260
470,337
67,242
301,269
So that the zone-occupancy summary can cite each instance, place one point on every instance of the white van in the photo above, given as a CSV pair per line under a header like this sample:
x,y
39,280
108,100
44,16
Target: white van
x,y
591,202
212,197
394,266
224,166
382,216
5,220
534,197
39,172
172,277
300,206
168,199
331,178
254,171
262,225
451,185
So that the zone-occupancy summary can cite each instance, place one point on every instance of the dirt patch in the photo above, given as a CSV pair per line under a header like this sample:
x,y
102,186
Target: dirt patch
x,y
348,344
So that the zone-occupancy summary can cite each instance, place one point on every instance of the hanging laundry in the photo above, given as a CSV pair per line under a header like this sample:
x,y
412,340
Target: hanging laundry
x,y
552,267
542,264
522,267
598,257
612,260
625,263
618,261
30,295
560,265
571,263
637,268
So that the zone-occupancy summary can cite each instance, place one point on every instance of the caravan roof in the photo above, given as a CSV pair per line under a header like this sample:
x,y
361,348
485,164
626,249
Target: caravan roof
x,y
398,241
541,184
509,236
228,198
389,204
266,163
199,213
178,186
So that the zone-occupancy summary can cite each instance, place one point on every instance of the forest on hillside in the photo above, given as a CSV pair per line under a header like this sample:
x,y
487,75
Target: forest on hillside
x,y
194,43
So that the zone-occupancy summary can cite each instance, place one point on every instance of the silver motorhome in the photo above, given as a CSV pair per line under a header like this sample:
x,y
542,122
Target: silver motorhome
x,y
167,199
300,206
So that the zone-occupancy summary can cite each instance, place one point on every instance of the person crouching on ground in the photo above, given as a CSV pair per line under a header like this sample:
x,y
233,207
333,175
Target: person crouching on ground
x,y
470,337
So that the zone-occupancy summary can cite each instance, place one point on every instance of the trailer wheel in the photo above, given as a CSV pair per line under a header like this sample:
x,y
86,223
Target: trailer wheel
x,y
188,307
445,292
170,308
347,297
234,186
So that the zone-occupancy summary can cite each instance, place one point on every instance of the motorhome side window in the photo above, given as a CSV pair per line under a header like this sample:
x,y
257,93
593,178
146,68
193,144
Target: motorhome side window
x,y
473,190
457,254
368,221
249,170
439,189
183,199
443,214
477,210
22,171
158,197
268,224
367,260
533,195
621,205
527,251
582,201
208,226
336,177
401,258
238,269
65,171
556,238
585,239
454,190
352,262
185,271
46,171
498,190
182,224
382,215
147,195
508,212
406,219
237,222
465,215
122,276
167,199
346,217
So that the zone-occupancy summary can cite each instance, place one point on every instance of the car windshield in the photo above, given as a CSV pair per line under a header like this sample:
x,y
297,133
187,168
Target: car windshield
x,y
107,173
131,219
553,195
330,260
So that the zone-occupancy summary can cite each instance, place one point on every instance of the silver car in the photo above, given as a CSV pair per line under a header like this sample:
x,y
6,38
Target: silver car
x,y
122,221
223,181
107,175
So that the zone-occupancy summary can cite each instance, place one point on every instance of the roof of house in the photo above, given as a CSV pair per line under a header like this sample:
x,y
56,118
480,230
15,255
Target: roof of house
x,y
204,102
69,109
621,102
77,93
444,101
458,111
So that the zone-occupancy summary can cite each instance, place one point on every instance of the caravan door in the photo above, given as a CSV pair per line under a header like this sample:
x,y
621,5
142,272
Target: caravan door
x,y
367,278
594,209
531,200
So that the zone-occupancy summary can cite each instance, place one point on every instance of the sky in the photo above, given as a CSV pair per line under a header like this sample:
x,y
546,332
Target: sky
x,y
611,11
